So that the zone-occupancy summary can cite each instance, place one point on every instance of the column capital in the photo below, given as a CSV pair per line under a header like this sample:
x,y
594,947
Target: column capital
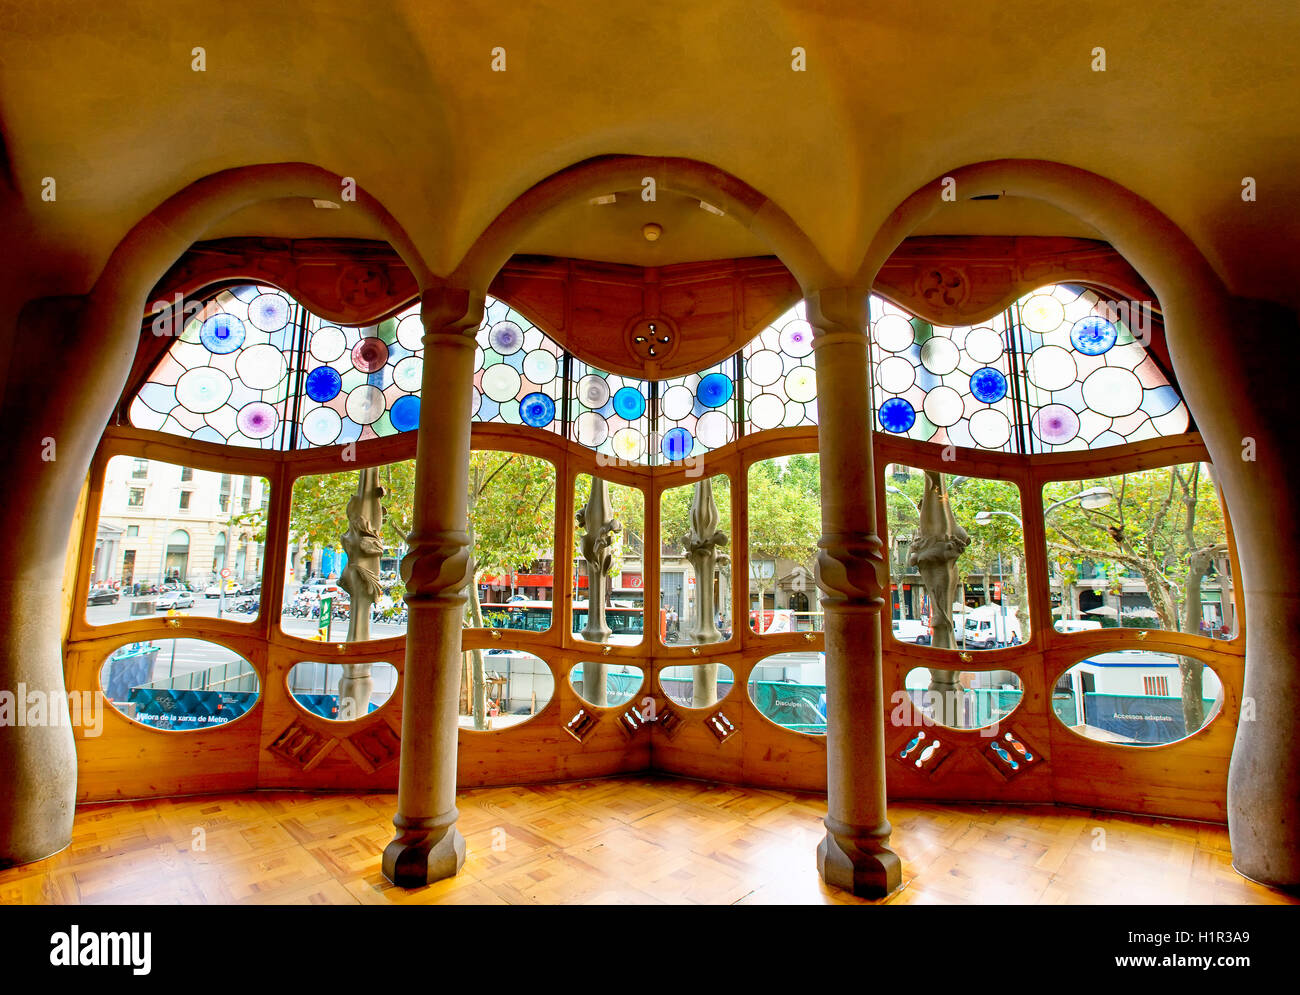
x,y
448,310
834,310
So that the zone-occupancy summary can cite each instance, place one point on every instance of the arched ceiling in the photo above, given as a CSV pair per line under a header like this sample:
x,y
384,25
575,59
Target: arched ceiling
x,y
400,94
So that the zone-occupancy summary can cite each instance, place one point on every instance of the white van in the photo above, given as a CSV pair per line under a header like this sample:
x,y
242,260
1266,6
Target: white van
x,y
991,626
911,630
1075,625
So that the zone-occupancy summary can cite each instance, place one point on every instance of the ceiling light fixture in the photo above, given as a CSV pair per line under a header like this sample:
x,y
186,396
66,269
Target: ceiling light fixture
x,y
719,212
327,205
605,198
652,232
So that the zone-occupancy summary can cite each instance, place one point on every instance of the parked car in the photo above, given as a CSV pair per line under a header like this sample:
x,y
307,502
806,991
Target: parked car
x,y
214,590
251,589
174,599
103,596
317,588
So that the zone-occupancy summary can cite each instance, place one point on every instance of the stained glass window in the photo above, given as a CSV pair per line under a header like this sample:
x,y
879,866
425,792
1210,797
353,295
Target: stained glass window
x,y
610,413
1058,370
518,371
697,413
255,368
780,380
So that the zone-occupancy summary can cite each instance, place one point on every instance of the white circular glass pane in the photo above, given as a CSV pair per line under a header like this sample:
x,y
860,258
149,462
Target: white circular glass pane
x,y
540,367
943,406
260,366
408,373
940,355
410,333
592,429
321,426
365,404
764,367
203,389
678,402
990,428
895,374
501,382
1042,313
893,333
328,343
1112,391
797,338
593,391
1052,368
714,429
983,345
766,411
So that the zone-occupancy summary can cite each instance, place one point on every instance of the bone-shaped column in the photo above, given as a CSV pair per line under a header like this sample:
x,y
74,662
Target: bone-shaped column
x,y
855,854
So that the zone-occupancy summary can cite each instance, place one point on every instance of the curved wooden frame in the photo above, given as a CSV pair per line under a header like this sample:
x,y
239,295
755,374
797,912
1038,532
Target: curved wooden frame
x,y
361,754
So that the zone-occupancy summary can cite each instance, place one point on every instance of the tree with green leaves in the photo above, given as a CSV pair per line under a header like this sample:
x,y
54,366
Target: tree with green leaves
x,y
627,504
1167,526
511,524
785,515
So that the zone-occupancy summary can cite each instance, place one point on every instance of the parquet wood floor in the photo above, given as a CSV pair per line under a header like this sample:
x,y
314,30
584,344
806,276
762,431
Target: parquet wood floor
x,y
643,839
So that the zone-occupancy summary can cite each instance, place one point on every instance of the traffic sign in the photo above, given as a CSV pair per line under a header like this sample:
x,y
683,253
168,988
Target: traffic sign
x,y
225,571
326,618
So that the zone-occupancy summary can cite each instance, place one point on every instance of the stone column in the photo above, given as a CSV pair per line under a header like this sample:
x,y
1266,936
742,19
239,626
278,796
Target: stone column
x,y
854,854
364,546
703,543
436,570
1226,357
598,535
52,425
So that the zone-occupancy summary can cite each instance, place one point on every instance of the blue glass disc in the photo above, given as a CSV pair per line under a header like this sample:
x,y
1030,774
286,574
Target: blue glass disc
x,y
537,410
405,413
324,384
677,444
222,333
897,415
629,403
714,390
1093,335
988,385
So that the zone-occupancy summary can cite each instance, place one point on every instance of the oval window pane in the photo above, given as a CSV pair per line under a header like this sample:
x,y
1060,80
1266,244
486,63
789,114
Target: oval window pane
x,y
790,689
180,685
606,684
500,688
342,691
960,699
1135,697
697,685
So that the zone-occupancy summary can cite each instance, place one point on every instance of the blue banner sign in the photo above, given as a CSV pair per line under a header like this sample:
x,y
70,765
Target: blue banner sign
x,y
162,708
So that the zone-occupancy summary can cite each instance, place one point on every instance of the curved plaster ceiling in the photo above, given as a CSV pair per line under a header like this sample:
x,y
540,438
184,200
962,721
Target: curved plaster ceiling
x,y
400,94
